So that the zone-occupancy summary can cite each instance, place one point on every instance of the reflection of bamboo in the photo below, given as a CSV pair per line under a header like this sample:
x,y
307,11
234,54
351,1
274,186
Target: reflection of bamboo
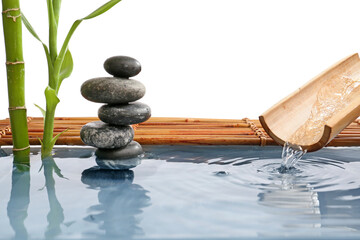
x,y
19,200
56,214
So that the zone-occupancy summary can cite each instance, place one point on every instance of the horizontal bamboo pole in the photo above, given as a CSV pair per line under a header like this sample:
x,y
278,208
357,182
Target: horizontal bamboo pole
x,y
201,140
174,131
191,120
194,126
238,131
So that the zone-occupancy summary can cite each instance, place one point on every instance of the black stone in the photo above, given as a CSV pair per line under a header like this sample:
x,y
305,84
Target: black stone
x,y
124,114
122,66
132,150
101,135
112,90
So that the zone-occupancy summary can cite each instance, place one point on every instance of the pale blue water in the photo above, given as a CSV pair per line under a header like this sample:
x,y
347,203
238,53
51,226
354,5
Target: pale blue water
x,y
184,192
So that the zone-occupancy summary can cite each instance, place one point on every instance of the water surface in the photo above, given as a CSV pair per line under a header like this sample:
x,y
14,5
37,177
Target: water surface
x,y
183,192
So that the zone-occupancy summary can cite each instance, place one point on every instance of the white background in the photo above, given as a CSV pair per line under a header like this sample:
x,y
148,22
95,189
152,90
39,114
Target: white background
x,y
200,58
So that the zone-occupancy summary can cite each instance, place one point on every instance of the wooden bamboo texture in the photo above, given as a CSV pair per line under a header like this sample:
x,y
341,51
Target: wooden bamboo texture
x,y
283,119
174,131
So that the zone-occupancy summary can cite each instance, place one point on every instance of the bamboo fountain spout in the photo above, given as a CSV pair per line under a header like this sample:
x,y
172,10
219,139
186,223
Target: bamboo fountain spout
x,y
314,114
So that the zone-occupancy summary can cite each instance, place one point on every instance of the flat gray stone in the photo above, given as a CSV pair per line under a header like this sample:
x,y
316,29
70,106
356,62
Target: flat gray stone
x,y
112,90
122,66
124,114
132,150
102,135
118,164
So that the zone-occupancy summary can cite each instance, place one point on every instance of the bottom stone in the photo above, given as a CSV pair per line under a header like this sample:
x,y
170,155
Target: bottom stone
x,y
132,150
122,164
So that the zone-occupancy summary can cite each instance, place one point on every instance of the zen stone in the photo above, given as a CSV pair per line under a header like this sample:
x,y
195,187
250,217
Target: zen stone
x,y
101,135
125,114
118,164
122,66
132,150
112,90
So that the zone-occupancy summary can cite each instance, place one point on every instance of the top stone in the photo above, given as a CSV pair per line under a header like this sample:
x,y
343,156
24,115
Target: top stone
x,y
122,66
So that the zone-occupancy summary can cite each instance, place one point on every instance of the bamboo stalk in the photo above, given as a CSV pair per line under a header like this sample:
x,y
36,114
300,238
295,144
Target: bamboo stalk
x,y
15,76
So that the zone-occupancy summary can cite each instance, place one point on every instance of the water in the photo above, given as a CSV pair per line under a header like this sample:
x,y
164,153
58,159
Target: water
x,y
290,156
184,192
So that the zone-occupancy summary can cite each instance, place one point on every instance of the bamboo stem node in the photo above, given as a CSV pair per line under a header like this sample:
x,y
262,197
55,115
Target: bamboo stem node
x,y
20,149
9,15
14,63
10,10
17,108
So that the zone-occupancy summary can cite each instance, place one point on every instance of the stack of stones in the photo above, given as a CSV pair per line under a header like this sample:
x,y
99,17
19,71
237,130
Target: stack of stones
x,y
113,135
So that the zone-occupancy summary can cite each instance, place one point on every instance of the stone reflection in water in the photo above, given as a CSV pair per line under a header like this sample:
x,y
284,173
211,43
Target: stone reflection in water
x,y
19,199
120,202
55,216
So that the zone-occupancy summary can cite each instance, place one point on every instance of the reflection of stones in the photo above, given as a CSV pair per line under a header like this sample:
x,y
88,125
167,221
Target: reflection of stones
x,y
124,114
122,66
112,90
97,177
123,158
102,135
120,202
118,164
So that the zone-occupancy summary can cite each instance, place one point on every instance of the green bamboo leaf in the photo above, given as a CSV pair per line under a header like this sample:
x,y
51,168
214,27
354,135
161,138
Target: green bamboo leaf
x,y
29,27
41,142
64,47
51,98
41,110
54,139
66,66
102,9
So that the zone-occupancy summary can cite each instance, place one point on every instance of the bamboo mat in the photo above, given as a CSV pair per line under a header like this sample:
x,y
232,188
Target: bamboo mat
x,y
174,131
